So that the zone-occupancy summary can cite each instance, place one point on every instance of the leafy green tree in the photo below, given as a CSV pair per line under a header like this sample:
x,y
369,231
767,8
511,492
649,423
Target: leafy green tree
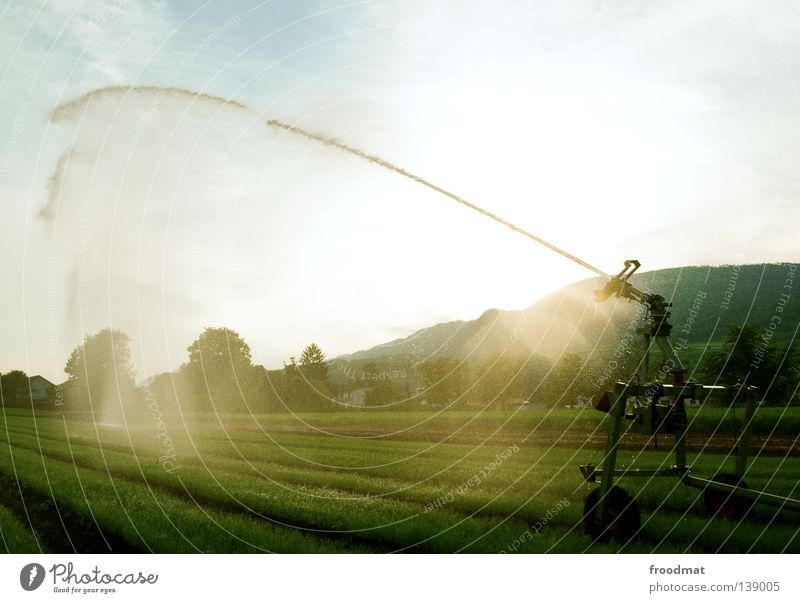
x,y
291,385
732,364
503,379
306,383
264,390
445,382
174,393
218,368
388,394
747,358
312,363
622,363
382,389
569,380
297,392
100,372
14,389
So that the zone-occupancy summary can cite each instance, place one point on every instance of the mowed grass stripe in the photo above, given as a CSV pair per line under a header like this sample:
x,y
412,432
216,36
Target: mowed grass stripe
x,y
763,470
356,485
708,419
376,482
679,511
472,501
385,523
161,523
535,467
14,536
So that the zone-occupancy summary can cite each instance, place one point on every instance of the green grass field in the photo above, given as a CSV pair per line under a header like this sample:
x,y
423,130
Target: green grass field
x,y
364,482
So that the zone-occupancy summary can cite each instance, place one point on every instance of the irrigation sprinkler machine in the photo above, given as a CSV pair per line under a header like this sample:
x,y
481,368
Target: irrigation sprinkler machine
x,y
653,407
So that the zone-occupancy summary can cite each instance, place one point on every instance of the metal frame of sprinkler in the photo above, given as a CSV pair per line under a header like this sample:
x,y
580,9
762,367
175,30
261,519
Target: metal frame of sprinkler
x,y
655,408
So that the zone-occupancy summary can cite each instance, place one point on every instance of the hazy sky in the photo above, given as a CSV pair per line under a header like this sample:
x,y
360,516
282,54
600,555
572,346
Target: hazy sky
x,y
658,130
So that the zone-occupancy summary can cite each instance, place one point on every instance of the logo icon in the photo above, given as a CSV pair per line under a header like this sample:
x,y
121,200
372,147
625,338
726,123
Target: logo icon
x,y
31,576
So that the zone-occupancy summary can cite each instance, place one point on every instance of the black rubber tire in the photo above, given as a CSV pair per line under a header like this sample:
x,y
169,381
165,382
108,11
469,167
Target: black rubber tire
x,y
722,504
621,522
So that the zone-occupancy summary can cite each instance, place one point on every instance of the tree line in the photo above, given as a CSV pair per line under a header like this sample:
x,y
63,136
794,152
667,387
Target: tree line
x,y
219,376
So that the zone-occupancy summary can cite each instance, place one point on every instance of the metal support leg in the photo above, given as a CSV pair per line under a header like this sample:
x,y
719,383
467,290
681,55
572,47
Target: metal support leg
x,y
617,413
644,370
680,434
671,359
744,437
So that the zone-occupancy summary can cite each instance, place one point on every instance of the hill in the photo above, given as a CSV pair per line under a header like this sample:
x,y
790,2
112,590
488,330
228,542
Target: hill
x,y
706,301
